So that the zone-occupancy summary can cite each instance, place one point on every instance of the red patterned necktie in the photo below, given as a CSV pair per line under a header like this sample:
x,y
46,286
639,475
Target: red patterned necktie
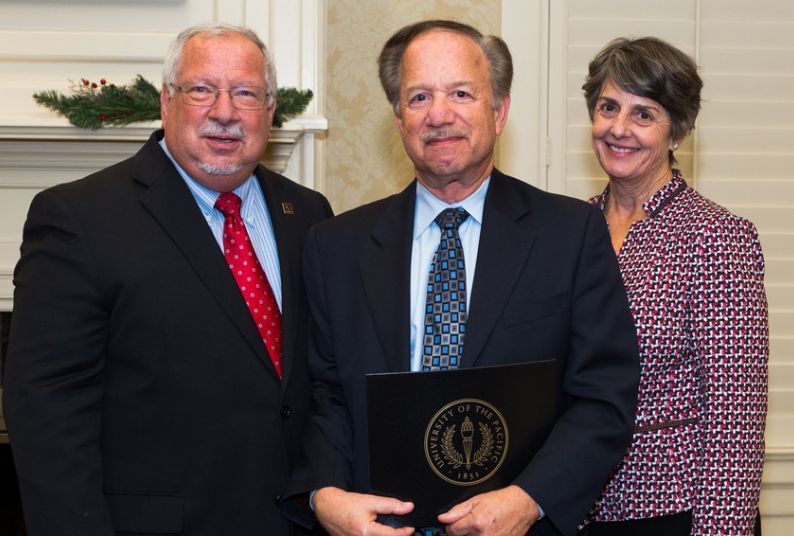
x,y
250,277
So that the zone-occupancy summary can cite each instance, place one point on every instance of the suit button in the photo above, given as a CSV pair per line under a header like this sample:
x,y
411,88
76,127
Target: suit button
x,y
285,412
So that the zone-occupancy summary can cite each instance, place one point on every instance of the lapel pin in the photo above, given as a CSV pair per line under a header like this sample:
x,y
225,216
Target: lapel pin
x,y
286,208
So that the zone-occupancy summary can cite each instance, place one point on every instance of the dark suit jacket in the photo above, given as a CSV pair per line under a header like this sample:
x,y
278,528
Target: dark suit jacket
x,y
546,285
139,395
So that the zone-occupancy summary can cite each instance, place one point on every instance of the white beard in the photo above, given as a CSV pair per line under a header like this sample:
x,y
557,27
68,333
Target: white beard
x,y
220,171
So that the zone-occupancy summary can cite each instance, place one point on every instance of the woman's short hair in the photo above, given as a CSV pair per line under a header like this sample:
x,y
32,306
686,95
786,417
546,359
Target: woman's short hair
x,y
500,62
651,68
173,60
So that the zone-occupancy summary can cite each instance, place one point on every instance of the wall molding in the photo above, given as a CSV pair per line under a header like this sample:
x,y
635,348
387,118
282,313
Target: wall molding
x,y
29,153
6,288
777,491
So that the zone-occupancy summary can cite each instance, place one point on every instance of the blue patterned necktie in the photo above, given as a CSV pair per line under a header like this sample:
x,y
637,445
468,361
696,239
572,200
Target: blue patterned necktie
x,y
445,305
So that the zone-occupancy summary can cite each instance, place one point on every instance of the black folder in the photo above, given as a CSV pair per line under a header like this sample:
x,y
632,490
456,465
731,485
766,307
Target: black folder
x,y
438,438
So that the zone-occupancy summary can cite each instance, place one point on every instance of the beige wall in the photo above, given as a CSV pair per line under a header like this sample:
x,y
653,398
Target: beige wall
x,y
365,159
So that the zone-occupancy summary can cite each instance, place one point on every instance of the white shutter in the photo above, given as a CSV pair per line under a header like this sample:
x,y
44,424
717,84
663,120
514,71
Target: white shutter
x,y
745,161
741,155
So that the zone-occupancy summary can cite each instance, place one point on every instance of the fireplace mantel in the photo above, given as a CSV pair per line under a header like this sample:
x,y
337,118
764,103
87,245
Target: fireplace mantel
x,y
137,132
36,157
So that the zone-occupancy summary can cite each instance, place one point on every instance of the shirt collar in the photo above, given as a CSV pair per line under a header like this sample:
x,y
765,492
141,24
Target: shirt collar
x,y
656,203
429,206
206,197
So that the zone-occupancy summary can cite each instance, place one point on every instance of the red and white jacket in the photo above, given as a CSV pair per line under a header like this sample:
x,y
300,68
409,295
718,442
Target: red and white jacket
x,y
694,275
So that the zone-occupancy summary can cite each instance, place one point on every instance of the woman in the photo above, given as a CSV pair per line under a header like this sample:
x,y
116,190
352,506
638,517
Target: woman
x,y
694,276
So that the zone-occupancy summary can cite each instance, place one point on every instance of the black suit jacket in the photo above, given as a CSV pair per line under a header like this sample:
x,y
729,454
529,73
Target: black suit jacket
x,y
139,395
546,286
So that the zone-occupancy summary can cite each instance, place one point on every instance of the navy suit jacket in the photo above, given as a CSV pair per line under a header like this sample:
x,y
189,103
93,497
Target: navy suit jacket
x,y
139,395
546,286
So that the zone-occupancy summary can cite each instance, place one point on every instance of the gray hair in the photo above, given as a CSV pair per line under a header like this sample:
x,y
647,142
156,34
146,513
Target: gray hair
x,y
173,59
651,68
500,62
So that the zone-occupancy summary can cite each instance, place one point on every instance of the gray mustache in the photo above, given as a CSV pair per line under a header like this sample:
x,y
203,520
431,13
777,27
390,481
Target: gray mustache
x,y
444,133
213,128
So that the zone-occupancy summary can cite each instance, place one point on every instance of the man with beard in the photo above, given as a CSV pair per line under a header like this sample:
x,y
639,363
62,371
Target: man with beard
x,y
150,388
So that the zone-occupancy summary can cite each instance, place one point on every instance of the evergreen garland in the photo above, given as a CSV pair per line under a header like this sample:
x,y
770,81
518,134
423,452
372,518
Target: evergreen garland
x,y
289,103
94,106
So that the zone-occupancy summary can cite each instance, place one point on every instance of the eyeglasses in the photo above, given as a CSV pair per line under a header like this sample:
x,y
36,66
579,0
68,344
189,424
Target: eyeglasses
x,y
243,97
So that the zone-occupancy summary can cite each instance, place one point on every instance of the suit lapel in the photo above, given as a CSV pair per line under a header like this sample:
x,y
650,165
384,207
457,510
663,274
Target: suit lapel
x,y
170,202
505,241
386,272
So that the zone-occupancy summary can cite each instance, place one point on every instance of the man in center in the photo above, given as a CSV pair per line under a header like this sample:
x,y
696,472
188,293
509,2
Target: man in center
x,y
537,274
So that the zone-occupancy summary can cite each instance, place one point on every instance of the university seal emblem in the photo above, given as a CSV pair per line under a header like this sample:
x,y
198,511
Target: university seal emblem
x,y
466,441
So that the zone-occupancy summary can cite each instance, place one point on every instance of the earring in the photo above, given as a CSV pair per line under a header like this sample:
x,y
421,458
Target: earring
x,y
675,146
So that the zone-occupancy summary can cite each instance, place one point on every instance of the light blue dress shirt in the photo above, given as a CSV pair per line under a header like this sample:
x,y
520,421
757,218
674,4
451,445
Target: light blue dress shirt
x,y
254,213
427,235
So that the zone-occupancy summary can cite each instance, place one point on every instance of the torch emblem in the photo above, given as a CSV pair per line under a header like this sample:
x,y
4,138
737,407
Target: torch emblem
x,y
466,441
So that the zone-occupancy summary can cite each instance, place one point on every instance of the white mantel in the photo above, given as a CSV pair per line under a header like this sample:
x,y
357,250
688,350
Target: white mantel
x,y
29,149
36,157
